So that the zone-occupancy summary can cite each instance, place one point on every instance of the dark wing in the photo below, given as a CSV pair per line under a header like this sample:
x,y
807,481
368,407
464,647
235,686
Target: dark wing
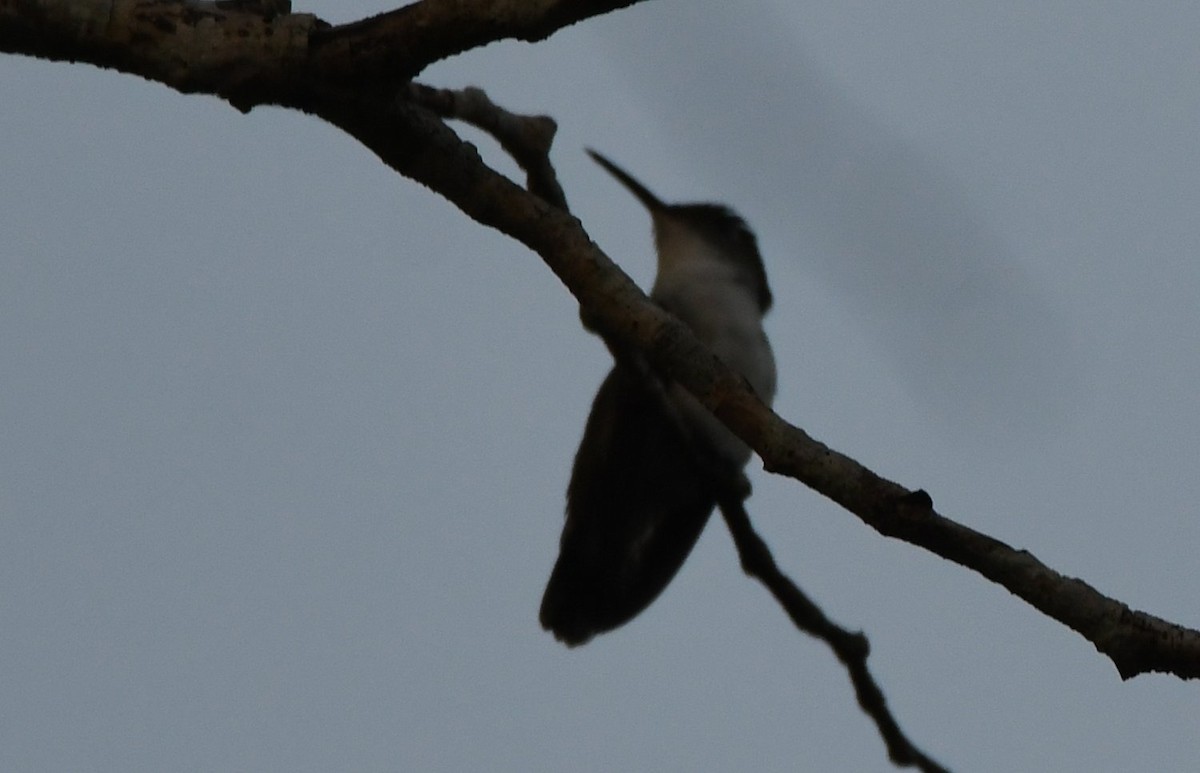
x,y
636,505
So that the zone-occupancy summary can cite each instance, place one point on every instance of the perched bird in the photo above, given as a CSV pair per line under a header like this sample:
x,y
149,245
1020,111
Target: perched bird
x,y
644,481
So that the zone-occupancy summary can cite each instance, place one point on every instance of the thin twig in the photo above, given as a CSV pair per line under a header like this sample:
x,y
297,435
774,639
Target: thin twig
x,y
851,648
527,138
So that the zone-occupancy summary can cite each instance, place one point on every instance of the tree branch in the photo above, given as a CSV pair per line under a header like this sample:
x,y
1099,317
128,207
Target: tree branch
x,y
253,57
528,139
298,61
401,43
1136,642
851,649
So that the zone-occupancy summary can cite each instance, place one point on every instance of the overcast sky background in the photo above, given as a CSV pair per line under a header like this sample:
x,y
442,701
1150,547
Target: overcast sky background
x,y
286,436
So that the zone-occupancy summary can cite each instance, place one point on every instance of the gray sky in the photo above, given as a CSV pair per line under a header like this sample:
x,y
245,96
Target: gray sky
x,y
286,436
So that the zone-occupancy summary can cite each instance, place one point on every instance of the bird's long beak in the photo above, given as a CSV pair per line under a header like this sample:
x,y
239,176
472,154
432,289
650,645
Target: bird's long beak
x,y
648,199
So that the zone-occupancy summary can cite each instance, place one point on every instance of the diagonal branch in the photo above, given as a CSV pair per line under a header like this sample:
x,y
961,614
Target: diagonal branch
x,y
527,139
851,649
253,55
1136,642
297,61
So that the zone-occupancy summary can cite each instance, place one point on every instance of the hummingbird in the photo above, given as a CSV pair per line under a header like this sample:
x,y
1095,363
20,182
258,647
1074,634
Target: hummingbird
x,y
653,458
